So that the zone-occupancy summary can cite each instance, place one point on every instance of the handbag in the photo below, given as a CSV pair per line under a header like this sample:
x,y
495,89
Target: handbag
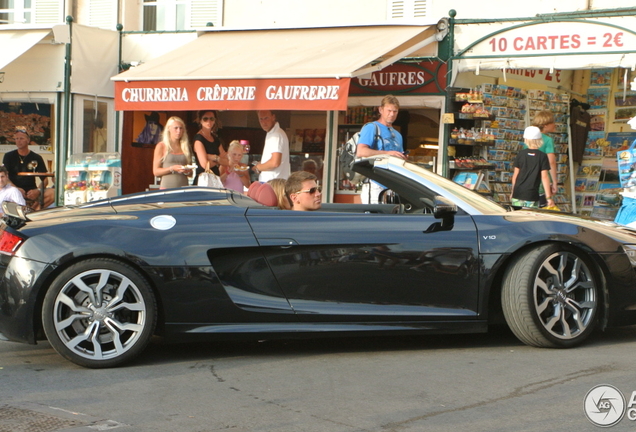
x,y
627,166
551,208
208,179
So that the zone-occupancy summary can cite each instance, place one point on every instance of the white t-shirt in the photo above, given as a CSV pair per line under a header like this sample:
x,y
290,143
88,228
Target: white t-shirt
x,y
10,193
276,141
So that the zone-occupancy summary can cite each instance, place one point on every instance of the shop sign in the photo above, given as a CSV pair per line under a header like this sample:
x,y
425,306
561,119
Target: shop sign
x,y
403,78
319,94
546,77
556,38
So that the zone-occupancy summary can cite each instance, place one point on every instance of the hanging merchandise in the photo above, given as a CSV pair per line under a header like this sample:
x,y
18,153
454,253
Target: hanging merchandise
x,y
580,126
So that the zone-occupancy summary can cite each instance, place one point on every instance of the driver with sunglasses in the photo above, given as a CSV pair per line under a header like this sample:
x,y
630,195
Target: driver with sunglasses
x,y
303,192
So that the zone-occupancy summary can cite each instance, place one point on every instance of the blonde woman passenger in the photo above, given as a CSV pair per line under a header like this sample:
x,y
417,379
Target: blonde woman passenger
x,y
207,144
235,176
172,155
278,184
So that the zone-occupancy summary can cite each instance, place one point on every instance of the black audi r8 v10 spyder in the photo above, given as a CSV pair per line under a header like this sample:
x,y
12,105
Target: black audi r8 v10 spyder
x,y
99,280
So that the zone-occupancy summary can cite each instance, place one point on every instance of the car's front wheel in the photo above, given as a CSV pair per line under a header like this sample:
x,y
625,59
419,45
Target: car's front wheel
x,y
550,297
99,313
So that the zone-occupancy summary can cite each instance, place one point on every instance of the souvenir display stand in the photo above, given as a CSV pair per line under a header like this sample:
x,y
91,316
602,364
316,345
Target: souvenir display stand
x,y
488,133
470,139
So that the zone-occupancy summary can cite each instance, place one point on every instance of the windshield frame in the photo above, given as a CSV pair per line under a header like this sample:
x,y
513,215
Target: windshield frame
x,y
468,200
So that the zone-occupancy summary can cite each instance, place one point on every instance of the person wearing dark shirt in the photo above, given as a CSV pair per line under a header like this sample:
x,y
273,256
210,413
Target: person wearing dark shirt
x,y
22,159
531,167
207,146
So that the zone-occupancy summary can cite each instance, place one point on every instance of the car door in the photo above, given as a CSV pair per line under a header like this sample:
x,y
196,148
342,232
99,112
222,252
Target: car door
x,y
371,266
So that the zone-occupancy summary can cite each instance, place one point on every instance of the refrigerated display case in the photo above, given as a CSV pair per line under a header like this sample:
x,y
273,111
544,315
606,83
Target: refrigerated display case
x,y
76,178
104,170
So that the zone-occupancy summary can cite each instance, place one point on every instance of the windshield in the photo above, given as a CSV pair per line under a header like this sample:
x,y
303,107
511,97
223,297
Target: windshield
x,y
452,190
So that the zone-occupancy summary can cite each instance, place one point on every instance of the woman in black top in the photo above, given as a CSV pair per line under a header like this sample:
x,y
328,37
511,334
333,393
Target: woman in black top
x,y
207,145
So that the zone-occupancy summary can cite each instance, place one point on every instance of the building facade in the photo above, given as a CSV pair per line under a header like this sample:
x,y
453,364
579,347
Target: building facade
x,y
72,109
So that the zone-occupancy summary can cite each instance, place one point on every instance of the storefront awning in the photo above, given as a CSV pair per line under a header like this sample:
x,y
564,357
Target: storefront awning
x,y
292,69
14,43
558,44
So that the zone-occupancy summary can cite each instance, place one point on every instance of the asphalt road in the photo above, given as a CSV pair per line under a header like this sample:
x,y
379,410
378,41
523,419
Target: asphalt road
x,y
441,383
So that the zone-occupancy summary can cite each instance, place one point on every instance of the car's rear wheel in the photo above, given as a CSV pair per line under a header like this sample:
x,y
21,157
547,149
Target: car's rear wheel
x,y
99,313
550,297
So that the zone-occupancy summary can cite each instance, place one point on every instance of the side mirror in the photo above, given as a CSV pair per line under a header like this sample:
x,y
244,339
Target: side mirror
x,y
445,210
443,207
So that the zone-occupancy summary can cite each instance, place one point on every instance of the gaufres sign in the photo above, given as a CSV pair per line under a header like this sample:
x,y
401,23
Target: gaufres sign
x,y
427,77
320,94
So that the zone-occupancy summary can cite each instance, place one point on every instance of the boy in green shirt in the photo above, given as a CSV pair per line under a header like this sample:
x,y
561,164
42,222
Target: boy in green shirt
x,y
544,120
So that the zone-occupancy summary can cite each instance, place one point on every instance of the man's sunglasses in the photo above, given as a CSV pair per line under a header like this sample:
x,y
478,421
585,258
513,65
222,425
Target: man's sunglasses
x,y
311,191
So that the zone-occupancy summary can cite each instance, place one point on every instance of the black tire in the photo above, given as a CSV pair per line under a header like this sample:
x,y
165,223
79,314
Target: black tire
x,y
550,297
99,313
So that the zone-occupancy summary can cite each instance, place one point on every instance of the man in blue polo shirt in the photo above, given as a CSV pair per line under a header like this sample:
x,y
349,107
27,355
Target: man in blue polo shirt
x,y
388,142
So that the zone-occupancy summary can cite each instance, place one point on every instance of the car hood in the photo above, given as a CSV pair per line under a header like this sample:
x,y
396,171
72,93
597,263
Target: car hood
x,y
566,223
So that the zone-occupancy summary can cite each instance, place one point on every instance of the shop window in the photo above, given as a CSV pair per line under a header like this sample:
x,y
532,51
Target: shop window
x,y
164,14
15,11
180,14
31,11
95,132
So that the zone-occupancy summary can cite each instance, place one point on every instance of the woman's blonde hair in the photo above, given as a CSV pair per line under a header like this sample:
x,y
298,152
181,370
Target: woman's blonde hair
x,y
184,143
278,185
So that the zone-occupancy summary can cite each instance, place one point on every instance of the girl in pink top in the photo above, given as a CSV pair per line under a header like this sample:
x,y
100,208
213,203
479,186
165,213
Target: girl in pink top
x,y
236,176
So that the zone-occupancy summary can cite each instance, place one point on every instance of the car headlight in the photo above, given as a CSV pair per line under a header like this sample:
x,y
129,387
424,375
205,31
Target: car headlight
x,y
630,251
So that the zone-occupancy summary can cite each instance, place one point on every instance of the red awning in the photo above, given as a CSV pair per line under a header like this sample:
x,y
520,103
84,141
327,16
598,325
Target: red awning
x,y
290,69
318,94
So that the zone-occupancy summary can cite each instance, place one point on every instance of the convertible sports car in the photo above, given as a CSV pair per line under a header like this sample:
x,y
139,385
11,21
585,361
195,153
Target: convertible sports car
x,y
99,280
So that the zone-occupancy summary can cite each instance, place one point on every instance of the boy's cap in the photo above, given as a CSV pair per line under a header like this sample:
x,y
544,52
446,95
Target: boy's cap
x,y
532,132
